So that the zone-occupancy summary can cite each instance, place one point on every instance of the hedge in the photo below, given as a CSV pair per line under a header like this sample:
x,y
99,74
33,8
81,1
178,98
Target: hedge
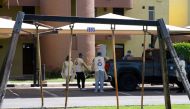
x,y
183,49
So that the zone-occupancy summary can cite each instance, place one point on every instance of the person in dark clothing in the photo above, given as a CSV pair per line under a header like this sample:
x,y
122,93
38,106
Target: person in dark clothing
x,y
128,55
79,69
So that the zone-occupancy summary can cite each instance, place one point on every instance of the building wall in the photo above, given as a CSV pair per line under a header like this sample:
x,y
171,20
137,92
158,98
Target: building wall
x,y
17,68
4,44
178,12
108,42
11,12
114,3
140,9
102,11
22,3
86,43
188,12
54,48
135,42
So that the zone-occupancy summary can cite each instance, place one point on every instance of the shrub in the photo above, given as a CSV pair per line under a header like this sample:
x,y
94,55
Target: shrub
x,y
183,49
56,73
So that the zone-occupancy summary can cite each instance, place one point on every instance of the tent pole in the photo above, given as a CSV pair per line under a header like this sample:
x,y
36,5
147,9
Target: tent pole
x,y
143,66
68,77
164,69
164,34
39,65
115,67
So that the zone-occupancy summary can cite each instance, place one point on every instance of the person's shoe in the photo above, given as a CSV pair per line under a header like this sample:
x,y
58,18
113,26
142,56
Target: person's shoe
x,y
83,89
95,91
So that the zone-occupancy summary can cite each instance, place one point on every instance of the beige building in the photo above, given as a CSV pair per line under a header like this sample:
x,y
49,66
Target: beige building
x,y
54,48
174,12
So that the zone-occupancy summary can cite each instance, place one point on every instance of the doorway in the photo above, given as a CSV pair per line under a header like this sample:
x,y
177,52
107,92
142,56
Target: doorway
x,y
28,58
119,11
119,50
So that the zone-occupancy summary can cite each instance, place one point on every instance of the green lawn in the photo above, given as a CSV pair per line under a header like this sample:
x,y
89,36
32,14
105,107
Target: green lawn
x,y
129,107
20,81
138,107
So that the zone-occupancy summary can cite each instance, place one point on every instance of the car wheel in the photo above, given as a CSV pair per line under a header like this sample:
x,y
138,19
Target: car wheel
x,y
179,84
127,82
112,83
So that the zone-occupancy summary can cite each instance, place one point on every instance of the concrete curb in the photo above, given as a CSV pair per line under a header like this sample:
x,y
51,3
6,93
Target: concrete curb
x,y
52,84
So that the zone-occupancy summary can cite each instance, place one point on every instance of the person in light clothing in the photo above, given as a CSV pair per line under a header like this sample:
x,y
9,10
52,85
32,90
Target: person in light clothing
x,y
182,66
79,69
65,70
98,66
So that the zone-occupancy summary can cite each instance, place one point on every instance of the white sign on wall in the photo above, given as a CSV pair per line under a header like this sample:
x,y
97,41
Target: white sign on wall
x,y
102,49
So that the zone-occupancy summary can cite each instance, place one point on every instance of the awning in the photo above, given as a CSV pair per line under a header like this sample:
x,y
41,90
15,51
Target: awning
x,y
90,28
6,27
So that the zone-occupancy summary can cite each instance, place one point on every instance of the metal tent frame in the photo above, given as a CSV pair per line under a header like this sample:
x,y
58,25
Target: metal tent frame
x,y
162,32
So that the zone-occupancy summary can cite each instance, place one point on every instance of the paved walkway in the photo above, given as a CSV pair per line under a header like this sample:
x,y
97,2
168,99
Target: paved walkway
x,y
55,97
52,84
90,101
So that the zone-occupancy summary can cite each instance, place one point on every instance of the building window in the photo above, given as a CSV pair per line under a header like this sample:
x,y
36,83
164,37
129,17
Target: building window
x,y
28,10
73,8
1,3
119,11
151,13
96,12
119,50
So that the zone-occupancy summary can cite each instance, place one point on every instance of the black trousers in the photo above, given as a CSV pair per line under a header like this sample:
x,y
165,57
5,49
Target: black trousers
x,y
80,76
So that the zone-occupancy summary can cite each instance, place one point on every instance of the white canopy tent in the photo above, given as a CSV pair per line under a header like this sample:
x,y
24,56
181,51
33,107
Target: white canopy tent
x,y
188,27
90,28
6,28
